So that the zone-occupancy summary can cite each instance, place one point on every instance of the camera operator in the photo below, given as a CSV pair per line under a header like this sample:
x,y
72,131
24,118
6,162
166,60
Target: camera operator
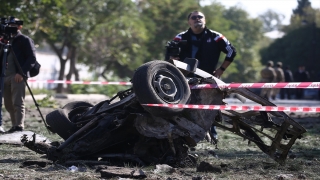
x,y
205,45
22,48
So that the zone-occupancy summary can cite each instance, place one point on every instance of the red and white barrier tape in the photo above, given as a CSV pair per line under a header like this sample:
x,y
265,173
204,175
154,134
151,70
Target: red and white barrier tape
x,y
199,86
78,82
260,85
239,108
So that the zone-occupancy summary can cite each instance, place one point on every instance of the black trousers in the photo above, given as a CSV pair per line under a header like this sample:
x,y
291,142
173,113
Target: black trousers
x,y
286,92
299,93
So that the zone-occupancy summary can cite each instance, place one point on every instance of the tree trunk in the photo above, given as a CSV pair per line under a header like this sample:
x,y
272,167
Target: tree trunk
x,y
61,75
73,69
63,62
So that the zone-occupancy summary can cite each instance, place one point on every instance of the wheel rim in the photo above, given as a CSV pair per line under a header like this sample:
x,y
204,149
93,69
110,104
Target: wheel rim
x,y
168,87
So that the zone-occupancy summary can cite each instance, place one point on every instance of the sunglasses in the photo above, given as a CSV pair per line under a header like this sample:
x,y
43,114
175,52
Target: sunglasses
x,y
195,17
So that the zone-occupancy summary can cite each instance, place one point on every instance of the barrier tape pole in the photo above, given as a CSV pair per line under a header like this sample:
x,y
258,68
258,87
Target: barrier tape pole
x,y
239,108
308,85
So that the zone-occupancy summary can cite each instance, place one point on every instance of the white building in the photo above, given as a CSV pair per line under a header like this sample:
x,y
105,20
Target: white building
x,y
50,67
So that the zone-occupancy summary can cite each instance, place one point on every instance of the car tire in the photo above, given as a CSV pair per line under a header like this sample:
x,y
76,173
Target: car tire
x,y
59,123
76,109
159,82
72,105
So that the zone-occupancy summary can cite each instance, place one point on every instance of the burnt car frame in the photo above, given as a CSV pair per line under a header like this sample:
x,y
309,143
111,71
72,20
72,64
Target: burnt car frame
x,y
129,130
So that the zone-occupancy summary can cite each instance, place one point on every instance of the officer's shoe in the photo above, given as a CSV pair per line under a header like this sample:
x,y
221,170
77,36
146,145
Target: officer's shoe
x,y
14,129
2,130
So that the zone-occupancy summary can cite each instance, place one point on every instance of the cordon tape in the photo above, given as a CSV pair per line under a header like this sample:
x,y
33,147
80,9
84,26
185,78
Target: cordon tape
x,y
260,85
199,86
239,108
78,82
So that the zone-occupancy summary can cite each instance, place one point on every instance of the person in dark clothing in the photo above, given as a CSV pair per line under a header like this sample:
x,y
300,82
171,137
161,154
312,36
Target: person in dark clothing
x,y
14,86
301,76
288,77
205,45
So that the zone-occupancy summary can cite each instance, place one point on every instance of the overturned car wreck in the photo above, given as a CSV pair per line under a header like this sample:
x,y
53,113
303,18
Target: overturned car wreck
x,y
150,135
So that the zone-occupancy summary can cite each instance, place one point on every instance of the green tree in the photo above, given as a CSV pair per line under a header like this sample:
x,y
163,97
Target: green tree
x,y
296,48
301,43
79,21
164,19
271,20
66,25
302,5
248,33
244,33
116,46
303,15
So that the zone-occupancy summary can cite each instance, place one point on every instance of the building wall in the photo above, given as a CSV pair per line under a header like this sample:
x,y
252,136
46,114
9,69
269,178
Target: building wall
x,y
50,67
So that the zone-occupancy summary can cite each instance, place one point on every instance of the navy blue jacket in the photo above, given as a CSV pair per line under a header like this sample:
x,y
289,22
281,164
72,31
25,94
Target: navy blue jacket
x,y
210,46
23,48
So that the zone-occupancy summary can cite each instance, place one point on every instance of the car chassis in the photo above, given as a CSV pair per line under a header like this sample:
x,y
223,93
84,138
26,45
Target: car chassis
x,y
127,129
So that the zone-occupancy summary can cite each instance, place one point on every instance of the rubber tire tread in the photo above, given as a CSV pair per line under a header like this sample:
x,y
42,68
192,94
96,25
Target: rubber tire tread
x,y
59,122
72,105
146,94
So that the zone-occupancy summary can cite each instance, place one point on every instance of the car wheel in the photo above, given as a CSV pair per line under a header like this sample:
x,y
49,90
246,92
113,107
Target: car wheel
x,y
72,105
59,123
76,108
159,82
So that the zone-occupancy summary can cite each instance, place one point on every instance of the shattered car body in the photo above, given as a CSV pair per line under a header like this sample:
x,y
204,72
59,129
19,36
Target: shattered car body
x,y
129,130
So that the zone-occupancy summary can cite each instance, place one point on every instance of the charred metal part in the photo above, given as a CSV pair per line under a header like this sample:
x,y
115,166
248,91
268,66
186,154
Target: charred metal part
x,y
240,98
255,98
276,148
78,133
38,147
53,154
171,143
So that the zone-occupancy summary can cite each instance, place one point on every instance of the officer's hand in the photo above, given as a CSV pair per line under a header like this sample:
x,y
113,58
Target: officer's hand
x,y
18,78
217,73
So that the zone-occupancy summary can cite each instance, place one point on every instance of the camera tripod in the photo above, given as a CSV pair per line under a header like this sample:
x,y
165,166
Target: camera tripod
x,y
5,47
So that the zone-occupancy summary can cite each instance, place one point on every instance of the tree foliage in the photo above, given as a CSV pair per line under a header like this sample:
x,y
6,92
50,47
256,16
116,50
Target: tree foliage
x,y
116,45
301,43
244,33
296,48
114,37
303,15
302,5
164,19
271,20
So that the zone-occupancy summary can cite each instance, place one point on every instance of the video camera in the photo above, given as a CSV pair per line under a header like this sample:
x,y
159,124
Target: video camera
x,y
173,48
6,30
